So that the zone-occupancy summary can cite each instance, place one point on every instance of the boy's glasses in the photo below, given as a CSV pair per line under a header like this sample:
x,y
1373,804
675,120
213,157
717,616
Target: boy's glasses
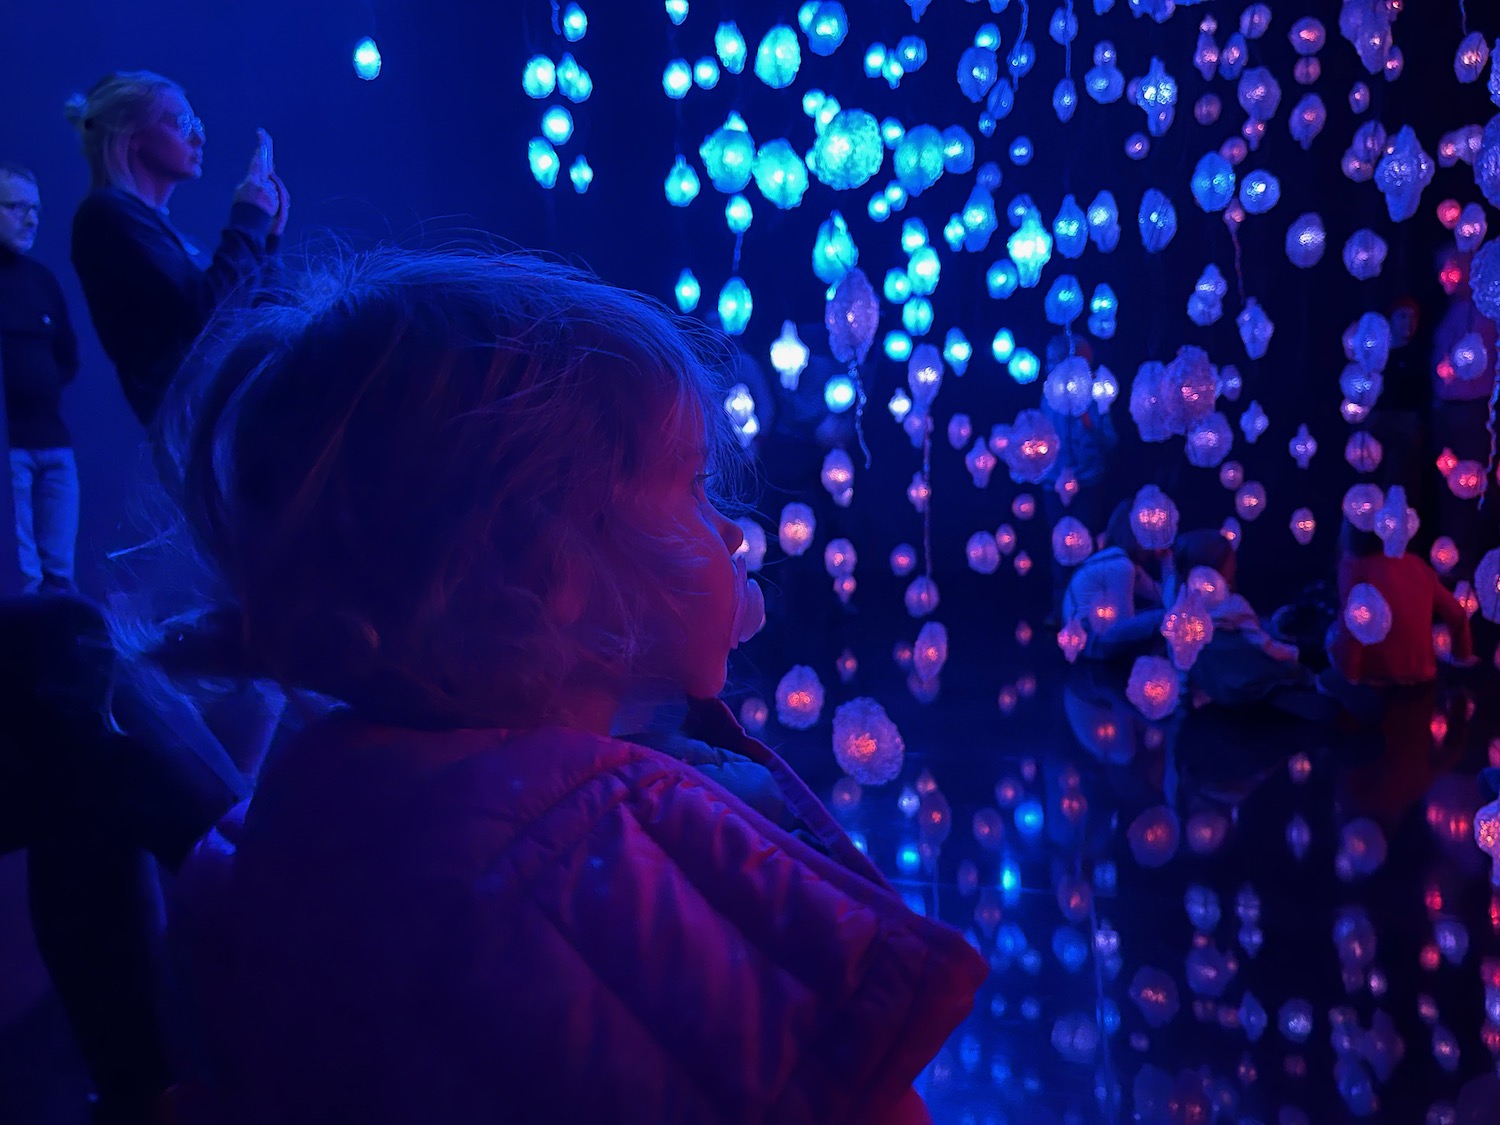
x,y
188,124
18,209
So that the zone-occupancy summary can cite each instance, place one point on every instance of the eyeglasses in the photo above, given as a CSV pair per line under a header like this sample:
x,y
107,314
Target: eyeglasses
x,y
18,209
187,124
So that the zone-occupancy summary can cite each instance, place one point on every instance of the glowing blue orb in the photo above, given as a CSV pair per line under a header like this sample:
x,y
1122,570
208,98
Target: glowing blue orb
x,y
539,78
780,174
916,316
924,269
828,28
1070,231
839,393
875,60
778,58
891,132
544,162
879,207
575,25
1213,182
1010,881
367,60
557,125
728,155
735,306
1157,220
730,45
1002,99
738,214
978,71
912,51
1064,301
1259,192
581,175
1030,249
1024,366
677,79
849,151
913,235
957,351
958,150
919,159
1003,346
1022,59
1065,99
574,82
954,232
1104,222
897,346
706,73
1002,278
908,859
895,195
687,291
978,220
834,252
988,37
897,287
1029,817
677,11
1021,151
682,184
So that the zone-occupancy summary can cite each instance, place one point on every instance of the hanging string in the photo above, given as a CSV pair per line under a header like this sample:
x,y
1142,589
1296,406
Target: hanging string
x,y
859,410
927,483
1463,20
1489,425
556,19
1067,44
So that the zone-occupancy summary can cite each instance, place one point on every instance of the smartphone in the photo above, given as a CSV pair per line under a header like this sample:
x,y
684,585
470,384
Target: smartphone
x,y
267,154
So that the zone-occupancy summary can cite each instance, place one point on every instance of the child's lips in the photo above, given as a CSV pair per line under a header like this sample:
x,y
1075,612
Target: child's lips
x,y
749,606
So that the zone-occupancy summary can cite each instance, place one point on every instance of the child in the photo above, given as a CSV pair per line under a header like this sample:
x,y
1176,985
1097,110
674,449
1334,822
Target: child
x,y
1416,596
466,497
1112,595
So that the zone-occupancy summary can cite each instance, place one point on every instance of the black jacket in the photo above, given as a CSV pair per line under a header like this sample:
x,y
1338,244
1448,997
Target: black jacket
x,y
151,291
38,353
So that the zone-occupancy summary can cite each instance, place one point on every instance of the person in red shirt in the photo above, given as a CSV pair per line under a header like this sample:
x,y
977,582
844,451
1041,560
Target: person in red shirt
x,y
1416,596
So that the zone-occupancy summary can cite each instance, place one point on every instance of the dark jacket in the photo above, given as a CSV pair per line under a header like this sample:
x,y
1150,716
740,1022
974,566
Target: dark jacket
x,y
151,291
38,353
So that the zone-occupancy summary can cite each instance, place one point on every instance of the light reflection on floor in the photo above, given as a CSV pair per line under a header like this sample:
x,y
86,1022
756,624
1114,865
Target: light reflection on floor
x,y
1268,920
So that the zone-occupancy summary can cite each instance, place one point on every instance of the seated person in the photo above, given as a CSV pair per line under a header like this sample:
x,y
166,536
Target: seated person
x,y
1416,596
1111,587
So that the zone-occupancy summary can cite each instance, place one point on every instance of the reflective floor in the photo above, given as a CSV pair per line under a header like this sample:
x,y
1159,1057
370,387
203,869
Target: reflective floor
x,y
1233,913
1226,912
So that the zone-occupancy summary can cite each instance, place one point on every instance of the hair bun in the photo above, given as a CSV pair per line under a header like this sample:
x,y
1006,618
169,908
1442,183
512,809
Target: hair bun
x,y
75,111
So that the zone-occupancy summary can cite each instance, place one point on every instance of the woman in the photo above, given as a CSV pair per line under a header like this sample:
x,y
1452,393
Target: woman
x,y
150,290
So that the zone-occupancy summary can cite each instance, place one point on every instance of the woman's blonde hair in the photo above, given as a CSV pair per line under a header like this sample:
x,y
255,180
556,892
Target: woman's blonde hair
x,y
117,107
394,471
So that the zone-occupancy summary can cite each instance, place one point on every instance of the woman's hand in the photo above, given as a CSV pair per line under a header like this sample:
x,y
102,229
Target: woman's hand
x,y
259,185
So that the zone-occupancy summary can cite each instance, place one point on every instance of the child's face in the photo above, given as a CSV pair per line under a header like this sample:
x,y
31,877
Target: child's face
x,y
696,643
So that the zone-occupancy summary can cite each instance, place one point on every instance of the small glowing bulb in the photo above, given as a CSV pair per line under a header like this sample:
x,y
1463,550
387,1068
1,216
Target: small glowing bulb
x,y
367,59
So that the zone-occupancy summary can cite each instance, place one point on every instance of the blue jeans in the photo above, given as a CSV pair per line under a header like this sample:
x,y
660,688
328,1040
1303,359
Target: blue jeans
x,y
45,482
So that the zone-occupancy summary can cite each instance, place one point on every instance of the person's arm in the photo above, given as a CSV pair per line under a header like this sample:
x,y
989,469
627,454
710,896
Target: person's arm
x,y
132,261
1451,614
64,339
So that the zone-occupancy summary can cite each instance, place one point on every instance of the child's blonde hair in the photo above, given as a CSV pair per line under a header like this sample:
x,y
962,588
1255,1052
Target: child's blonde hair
x,y
116,107
395,469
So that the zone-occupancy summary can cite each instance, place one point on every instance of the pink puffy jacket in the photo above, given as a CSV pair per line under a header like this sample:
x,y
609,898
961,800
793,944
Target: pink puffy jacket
x,y
405,928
